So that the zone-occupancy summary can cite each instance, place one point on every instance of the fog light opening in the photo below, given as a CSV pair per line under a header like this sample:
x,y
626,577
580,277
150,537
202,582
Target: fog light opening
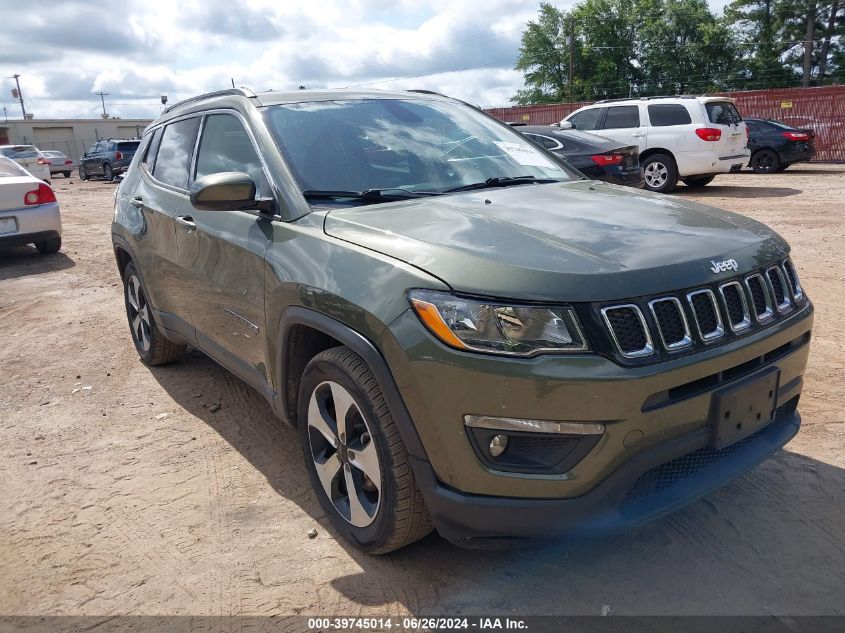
x,y
498,445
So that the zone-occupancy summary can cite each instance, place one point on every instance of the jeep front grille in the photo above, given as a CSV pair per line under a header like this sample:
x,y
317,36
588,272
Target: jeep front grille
x,y
680,322
628,329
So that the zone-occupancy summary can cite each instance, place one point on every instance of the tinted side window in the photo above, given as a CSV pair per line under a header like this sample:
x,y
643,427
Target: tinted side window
x,y
175,151
152,150
588,119
722,112
622,116
662,115
545,141
225,146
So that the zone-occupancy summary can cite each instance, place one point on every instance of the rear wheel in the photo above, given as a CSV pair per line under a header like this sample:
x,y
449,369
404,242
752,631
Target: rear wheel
x,y
153,347
357,463
66,174
698,181
765,161
660,173
46,247
783,166
83,174
107,172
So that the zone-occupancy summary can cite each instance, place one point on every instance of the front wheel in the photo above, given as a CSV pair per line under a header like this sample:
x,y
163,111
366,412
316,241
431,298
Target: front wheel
x,y
660,173
698,181
83,174
66,174
765,161
357,463
153,347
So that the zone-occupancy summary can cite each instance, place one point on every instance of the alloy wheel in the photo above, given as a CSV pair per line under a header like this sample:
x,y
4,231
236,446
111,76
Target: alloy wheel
x,y
344,454
139,312
656,174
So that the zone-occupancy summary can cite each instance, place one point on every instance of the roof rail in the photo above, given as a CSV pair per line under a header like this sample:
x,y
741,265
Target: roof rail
x,y
649,98
239,92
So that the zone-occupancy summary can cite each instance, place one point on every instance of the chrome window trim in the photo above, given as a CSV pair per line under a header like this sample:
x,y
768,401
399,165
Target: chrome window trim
x,y
786,306
649,345
767,297
687,340
746,314
798,290
719,332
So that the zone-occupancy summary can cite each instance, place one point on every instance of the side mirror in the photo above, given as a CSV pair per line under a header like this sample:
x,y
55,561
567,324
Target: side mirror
x,y
566,125
227,191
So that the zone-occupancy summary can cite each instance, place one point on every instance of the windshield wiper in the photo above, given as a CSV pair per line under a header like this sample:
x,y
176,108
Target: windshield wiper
x,y
502,181
371,195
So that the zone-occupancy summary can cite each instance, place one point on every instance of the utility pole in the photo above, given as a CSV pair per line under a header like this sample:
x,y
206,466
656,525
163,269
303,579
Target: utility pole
x,y
20,94
103,96
808,44
571,46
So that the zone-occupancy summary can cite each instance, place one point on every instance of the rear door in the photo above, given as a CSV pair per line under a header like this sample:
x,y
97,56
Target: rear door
x,y
221,255
723,115
624,124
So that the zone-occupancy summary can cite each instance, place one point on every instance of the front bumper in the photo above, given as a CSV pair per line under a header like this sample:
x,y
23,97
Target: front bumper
x,y
653,483
33,224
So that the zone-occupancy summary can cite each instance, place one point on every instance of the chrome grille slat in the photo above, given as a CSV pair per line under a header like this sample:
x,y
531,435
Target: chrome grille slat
x,y
777,284
726,290
613,316
750,282
659,319
793,281
699,314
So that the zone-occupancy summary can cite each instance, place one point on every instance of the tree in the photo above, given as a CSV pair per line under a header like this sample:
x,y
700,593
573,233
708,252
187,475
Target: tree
x,y
544,58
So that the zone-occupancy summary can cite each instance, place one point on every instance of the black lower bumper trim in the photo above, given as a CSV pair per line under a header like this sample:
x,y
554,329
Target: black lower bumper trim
x,y
653,483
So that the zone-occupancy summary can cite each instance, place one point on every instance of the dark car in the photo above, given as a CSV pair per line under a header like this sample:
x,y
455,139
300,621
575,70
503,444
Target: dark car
x,y
775,146
107,158
466,335
594,156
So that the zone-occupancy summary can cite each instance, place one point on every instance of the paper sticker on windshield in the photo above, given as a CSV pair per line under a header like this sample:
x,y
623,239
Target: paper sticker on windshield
x,y
525,154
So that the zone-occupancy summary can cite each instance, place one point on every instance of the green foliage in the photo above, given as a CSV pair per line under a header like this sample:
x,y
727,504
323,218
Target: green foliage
x,y
646,47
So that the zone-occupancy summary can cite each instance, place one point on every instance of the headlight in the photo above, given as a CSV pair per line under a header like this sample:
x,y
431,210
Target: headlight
x,y
499,328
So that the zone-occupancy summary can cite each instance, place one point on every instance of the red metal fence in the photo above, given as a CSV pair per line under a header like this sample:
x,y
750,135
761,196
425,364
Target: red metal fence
x,y
822,109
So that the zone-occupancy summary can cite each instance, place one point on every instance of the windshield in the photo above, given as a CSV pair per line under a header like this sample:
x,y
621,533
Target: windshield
x,y
391,144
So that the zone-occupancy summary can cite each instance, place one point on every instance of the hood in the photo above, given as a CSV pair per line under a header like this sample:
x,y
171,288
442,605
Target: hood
x,y
576,241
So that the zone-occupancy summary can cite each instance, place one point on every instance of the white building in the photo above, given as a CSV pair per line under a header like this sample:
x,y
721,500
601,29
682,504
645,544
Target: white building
x,y
71,136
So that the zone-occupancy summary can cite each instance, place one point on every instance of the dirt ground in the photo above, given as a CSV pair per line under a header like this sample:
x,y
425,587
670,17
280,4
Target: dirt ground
x,y
127,490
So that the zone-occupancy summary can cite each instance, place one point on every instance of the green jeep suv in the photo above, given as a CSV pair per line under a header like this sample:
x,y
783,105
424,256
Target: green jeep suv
x,y
468,334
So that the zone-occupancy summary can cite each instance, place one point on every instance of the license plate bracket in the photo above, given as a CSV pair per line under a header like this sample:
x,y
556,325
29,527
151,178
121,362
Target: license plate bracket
x,y
743,409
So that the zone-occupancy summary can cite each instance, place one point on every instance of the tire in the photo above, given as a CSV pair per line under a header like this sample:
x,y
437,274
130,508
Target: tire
x,y
108,174
83,174
698,181
390,512
660,173
66,174
153,347
765,161
47,247
783,166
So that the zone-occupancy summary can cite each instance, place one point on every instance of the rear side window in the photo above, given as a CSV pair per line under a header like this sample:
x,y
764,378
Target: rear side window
x,y
152,150
587,120
545,141
722,113
131,146
622,116
225,146
666,114
175,151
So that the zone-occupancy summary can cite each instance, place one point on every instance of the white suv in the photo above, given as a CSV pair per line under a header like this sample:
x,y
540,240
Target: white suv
x,y
686,138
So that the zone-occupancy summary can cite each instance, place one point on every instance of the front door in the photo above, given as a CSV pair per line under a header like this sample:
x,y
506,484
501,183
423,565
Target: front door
x,y
221,254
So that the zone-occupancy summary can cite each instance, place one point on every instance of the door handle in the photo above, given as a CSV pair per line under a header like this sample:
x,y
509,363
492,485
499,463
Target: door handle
x,y
186,221
137,202
639,134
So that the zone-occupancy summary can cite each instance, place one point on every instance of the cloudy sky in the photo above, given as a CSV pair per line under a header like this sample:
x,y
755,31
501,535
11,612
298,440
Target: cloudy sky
x,y
138,50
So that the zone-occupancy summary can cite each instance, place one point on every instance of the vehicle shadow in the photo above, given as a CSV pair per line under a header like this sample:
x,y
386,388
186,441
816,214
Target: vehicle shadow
x,y
23,261
770,542
733,191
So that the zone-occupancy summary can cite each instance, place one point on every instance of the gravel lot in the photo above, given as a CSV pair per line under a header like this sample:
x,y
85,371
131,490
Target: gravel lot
x,y
127,490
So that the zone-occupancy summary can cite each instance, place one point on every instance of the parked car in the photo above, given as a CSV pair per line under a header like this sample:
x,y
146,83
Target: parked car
x,y
30,158
692,139
29,212
107,158
594,156
59,163
466,334
775,146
